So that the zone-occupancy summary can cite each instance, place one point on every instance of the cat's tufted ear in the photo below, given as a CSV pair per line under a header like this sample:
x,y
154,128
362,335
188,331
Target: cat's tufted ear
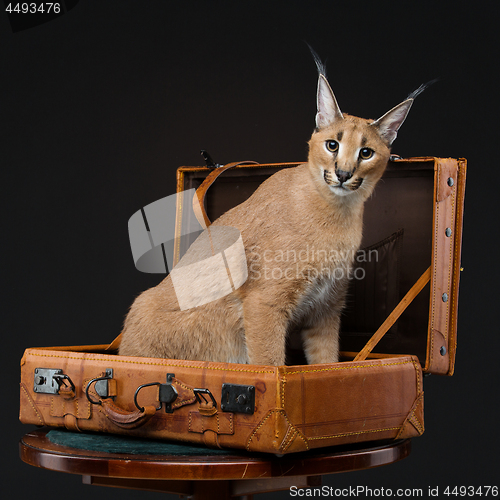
x,y
388,124
328,109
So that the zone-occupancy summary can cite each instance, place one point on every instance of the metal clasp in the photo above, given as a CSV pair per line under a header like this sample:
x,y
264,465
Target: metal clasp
x,y
141,408
208,160
198,394
44,381
167,394
60,378
101,386
238,398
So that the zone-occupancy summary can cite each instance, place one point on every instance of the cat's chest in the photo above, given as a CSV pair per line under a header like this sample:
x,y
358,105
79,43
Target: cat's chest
x,y
319,292
322,293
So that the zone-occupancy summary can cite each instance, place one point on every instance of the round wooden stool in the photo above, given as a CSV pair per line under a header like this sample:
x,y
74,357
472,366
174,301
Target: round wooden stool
x,y
193,472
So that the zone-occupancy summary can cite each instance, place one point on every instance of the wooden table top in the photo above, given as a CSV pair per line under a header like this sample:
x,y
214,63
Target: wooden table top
x,y
38,450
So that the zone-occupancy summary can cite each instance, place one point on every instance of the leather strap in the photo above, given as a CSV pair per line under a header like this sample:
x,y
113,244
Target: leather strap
x,y
211,440
395,314
127,419
66,392
115,344
71,423
199,198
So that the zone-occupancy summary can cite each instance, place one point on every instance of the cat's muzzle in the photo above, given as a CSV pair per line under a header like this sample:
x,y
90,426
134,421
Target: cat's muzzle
x,y
342,180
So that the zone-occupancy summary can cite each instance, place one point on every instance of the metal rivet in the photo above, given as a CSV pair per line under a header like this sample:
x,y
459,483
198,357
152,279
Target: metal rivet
x,y
445,297
442,351
241,399
450,181
448,232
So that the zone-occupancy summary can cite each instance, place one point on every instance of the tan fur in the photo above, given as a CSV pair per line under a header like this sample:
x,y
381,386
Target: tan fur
x,y
297,212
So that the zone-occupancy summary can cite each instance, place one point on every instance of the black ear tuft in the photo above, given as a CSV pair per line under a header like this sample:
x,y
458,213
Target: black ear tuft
x,y
319,64
420,89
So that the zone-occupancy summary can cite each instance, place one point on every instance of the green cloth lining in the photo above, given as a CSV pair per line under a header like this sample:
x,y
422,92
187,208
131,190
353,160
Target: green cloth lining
x,y
129,445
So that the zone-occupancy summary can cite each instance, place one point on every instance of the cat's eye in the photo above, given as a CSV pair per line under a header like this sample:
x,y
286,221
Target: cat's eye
x,y
332,146
366,153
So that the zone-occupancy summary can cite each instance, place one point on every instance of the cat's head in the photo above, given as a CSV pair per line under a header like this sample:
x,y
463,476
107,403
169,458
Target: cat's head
x,y
347,154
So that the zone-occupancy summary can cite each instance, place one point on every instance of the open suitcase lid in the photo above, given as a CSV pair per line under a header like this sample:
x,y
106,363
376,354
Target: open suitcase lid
x,y
412,221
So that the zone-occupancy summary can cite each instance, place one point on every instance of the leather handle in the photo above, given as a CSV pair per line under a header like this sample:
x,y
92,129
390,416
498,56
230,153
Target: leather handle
x,y
199,198
396,313
127,419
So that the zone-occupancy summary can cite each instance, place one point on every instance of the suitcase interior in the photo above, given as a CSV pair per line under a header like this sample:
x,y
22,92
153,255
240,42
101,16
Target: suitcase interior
x,y
396,250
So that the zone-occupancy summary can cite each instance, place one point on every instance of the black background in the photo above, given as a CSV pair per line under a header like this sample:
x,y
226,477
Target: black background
x,y
101,105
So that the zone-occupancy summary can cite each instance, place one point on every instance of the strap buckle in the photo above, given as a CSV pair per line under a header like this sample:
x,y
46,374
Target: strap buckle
x,y
198,394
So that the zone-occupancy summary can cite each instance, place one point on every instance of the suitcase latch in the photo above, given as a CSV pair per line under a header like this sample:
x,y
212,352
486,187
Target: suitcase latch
x,y
102,384
167,394
104,387
238,398
208,160
49,380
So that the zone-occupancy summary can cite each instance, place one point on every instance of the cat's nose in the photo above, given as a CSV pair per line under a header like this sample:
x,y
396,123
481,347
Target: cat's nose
x,y
343,176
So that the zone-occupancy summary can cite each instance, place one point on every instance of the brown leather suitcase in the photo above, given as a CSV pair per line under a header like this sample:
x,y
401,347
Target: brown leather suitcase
x,y
413,222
